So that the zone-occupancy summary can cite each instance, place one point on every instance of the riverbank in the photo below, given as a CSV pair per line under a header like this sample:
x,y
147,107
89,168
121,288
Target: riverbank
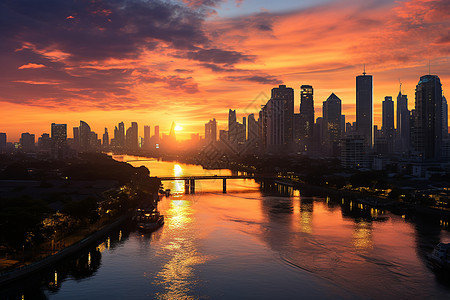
x,y
27,270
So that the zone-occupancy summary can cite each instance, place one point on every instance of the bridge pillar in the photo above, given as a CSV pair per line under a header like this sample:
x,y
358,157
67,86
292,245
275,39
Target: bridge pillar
x,y
186,186
192,186
224,185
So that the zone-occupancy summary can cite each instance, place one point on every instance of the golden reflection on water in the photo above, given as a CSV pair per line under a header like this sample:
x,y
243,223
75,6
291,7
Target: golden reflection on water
x,y
362,236
177,276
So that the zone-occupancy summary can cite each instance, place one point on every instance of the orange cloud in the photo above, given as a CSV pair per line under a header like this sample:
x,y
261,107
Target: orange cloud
x,y
31,66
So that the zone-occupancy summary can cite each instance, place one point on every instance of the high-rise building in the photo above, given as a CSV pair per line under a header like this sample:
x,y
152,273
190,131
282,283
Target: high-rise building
x,y
121,135
45,143
2,142
27,142
85,136
364,107
105,138
387,127
444,118
76,138
427,135
132,136
332,112
59,140
280,120
353,152
306,129
403,132
157,134
252,128
211,131
147,137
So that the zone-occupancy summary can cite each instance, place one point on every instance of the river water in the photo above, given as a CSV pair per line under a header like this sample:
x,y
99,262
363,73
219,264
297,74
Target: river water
x,y
252,243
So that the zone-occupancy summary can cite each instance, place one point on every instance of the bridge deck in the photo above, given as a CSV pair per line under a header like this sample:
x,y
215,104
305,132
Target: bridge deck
x,y
208,177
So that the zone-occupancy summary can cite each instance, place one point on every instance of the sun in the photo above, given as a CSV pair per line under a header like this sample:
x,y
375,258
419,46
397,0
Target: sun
x,y
178,128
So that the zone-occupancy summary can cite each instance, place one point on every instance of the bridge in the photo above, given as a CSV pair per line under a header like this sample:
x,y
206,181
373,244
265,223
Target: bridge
x,y
189,181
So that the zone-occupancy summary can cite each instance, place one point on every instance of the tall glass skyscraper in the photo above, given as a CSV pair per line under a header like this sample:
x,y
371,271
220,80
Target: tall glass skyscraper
x,y
427,135
364,107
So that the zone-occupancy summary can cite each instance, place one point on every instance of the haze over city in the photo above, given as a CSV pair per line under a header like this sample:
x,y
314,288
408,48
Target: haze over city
x,y
109,61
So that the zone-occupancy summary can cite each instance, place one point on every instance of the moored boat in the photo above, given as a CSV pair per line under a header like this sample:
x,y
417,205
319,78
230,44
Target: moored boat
x,y
149,220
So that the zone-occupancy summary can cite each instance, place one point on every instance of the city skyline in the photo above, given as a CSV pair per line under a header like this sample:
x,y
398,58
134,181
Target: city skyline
x,y
81,63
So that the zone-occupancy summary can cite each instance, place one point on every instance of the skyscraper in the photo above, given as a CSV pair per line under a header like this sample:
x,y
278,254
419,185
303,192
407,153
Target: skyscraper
x,y
427,136
280,120
306,116
252,132
2,142
59,139
27,142
364,107
132,137
85,136
388,122
444,118
121,136
211,131
332,112
105,138
403,123
147,137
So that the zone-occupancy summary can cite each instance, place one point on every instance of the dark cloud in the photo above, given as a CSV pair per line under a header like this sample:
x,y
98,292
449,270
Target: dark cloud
x,y
262,79
219,56
217,68
183,71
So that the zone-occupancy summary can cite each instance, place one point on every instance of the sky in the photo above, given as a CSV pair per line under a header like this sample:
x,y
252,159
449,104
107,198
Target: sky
x,y
188,61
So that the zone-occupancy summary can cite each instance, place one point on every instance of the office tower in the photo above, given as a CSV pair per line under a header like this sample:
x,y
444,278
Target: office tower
x,y
318,134
27,142
403,132
252,132
157,133
353,152
76,138
211,131
132,137
387,127
232,125
332,112
146,137
2,142
45,143
105,138
59,139
280,120
427,136
364,107
121,136
343,125
444,118
262,128
85,136
306,116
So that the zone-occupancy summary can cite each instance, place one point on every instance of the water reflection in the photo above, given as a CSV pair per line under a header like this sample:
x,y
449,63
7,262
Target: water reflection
x,y
177,276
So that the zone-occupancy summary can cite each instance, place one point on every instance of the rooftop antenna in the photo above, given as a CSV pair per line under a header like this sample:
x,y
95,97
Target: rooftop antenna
x,y
364,73
400,85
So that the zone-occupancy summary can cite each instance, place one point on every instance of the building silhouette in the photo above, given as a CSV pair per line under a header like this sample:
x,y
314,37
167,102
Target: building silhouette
x,y
132,137
105,138
211,131
403,130
364,107
2,142
427,134
27,142
147,137
59,140
331,124
279,112
306,118
387,127
85,136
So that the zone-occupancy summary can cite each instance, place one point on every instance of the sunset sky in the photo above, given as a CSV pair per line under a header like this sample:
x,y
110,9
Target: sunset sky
x,y
188,61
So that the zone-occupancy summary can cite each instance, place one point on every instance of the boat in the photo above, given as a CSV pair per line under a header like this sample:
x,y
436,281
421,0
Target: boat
x,y
149,220
167,192
440,257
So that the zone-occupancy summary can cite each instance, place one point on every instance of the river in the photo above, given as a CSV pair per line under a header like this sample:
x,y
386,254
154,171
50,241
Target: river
x,y
251,243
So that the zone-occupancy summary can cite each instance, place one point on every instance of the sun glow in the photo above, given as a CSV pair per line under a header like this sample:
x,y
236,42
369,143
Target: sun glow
x,y
178,128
